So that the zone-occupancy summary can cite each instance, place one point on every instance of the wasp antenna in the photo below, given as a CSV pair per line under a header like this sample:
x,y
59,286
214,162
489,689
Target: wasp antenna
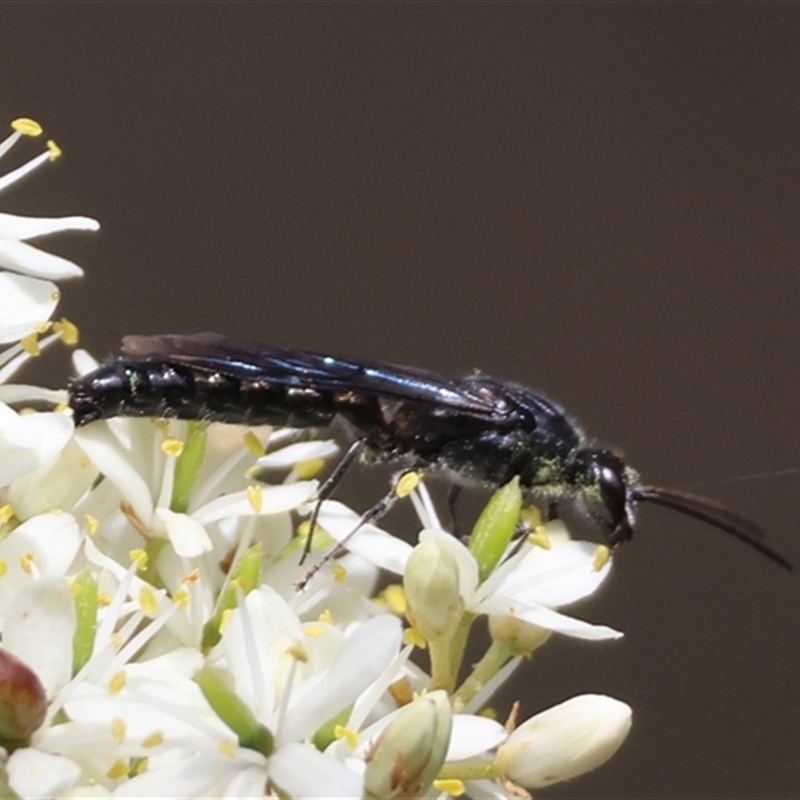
x,y
713,513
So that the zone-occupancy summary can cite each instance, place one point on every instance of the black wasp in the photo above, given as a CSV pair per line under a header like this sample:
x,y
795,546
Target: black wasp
x,y
479,428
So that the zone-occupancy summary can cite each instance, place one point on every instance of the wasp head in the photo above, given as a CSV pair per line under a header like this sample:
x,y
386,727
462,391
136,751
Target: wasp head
x,y
607,488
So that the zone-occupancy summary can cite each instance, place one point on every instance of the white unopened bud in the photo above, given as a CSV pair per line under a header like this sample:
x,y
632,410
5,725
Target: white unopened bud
x,y
565,741
521,638
408,755
431,584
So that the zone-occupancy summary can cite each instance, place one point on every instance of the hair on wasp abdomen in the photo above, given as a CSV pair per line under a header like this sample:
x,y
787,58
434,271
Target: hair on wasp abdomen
x,y
479,428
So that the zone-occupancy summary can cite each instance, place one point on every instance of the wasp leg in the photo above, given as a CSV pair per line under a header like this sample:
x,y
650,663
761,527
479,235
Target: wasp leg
x,y
453,494
403,483
329,487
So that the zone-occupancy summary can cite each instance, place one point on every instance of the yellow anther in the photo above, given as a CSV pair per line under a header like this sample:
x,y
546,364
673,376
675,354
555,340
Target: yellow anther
x,y
452,786
104,599
26,126
172,447
227,748
68,331
119,769
326,617
181,598
118,641
413,637
309,468
313,630
117,682
26,562
43,327
148,601
53,149
91,524
253,444
118,730
142,765
30,344
3,567
401,692
531,516
538,536
6,512
339,573
393,598
351,736
407,483
298,652
255,497
601,556
153,739
138,556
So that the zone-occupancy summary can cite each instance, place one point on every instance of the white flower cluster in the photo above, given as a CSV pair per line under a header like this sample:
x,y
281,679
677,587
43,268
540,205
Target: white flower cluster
x,y
154,643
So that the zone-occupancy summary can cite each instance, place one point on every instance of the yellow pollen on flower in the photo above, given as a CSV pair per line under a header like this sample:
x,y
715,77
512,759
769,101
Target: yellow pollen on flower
x,y
181,598
297,651
118,730
227,748
6,512
54,150
339,573
172,447
26,562
309,468
3,567
255,497
43,327
452,786
538,537
413,637
73,587
119,769
601,556
312,630
117,640
153,739
253,444
91,524
141,767
117,682
30,344
393,597
138,556
68,331
401,692
326,617
192,577
225,619
407,483
104,599
26,126
148,601
351,736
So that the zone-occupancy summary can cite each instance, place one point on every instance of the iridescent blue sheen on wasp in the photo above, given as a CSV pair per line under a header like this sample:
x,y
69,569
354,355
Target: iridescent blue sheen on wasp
x,y
479,428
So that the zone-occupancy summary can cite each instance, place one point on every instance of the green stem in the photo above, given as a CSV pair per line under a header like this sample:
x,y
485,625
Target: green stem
x,y
492,661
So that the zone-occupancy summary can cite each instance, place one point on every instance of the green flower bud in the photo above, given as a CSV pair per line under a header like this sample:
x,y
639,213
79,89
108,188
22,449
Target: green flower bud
x,y
407,757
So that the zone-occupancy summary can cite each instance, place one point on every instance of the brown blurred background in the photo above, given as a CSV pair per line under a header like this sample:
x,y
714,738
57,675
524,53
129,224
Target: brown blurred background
x,y
598,200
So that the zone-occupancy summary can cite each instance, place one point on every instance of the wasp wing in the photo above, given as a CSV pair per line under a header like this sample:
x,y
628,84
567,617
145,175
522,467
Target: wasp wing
x,y
211,352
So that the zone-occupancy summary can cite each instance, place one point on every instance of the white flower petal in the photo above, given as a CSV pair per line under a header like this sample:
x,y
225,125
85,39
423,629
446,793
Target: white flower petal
x,y
25,303
306,774
472,735
30,441
34,774
548,619
364,655
274,500
16,227
188,537
28,260
38,629
299,451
